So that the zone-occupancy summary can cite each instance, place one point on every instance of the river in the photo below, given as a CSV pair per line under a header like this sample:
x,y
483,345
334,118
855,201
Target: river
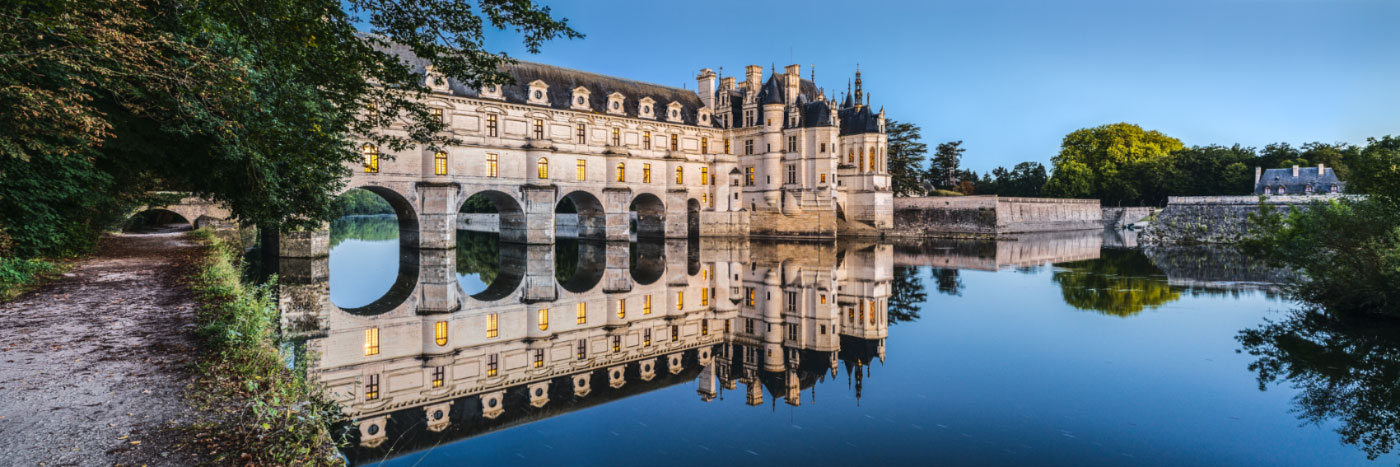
x,y
1066,349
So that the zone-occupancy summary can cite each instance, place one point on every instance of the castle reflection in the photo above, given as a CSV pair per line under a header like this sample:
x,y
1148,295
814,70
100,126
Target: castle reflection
x,y
562,328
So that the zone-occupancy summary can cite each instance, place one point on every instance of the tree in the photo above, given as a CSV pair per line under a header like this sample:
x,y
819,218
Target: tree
x,y
258,104
906,295
1110,162
1027,179
947,281
906,155
943,167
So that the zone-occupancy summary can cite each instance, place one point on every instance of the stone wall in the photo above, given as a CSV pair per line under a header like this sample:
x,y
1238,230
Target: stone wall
x,y
770,224
724,224
1025,250
1213,219
1119,217
992,215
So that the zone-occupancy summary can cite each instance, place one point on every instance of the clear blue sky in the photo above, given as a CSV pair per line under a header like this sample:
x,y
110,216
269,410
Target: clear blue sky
x,y
1011,78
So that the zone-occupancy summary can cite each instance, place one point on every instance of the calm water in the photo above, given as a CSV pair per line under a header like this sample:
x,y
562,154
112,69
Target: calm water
x,y
1059,349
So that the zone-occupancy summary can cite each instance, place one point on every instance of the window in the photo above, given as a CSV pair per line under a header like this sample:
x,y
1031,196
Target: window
x,y
823,299
617,343
491,125
850,156
491,165
581,310
751,295
581,169
823,329
646,173
748,325
872,158
680,175
617,137
823,147
704,198
792,173
438,373
748,117
792,332
726,145
539,358
748,176
542,166
823,178
675,142
792,143
748,147
492,363
539,128
680,300
621,308
704,175
371,158
704,145
705,327
646,139
646,305
1282,190
646,337
675,333
705,296
543,317
792,301
371,341
440,333
440,163
1334,188
1268,191
437,114
582,349
372,387
621,171
491,329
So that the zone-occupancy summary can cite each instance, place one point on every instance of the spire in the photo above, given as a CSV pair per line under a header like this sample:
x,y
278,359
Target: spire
x,y
858,91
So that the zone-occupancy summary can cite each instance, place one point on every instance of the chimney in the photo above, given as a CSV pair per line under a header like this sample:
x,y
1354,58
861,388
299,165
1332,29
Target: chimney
x,y
705,86
753,77
1320,170
1295,171
727,83
793,81
1258,173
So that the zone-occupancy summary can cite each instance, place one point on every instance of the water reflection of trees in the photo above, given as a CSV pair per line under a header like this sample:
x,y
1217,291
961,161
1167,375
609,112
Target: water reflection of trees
x,y
947,281
478,253
1347,370
368,228
1119,283
906,295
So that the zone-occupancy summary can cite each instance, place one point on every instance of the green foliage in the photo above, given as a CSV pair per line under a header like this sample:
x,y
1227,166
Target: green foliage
x,y
479,253
1119,283
1345,371
358,202
480,205
256,104
906,155
17,275
943,167
1109,162
907,295
1027,179
274,414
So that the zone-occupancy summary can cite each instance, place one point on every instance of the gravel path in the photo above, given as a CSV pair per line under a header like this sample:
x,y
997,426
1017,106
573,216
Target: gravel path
x,y
93,366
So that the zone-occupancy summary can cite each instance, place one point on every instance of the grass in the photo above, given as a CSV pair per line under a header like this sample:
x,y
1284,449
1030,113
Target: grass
x,y
264,413
18,275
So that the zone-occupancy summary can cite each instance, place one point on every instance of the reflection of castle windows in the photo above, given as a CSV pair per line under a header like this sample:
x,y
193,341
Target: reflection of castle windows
x,y
539,358
440,333
582,349
704,147
543,317
646,305
491,329
705,327
372,387
617,343
581,309
371,341
621,308
438,373
705,296
646,337
872,312
492,363
680,300
850,315
675,333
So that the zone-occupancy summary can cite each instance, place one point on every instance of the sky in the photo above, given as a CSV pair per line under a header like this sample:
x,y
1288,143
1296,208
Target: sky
x,y
1010,78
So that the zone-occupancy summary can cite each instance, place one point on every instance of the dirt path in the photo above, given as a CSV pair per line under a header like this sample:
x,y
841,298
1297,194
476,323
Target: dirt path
x,y
93,365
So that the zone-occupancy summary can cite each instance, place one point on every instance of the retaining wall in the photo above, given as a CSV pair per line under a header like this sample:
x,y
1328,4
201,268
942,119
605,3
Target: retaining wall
x,y
993,215
1214,219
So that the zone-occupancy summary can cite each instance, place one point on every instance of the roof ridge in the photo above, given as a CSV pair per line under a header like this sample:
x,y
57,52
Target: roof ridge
x,y
594,73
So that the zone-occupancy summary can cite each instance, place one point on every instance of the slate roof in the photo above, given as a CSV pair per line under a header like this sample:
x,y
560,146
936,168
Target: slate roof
x,y
1274,178
562,81
855,120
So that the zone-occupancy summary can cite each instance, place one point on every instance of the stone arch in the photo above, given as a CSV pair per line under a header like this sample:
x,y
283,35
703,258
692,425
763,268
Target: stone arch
x,y
591,218
509,219
650,215
152,218
692,217
405,284
403,210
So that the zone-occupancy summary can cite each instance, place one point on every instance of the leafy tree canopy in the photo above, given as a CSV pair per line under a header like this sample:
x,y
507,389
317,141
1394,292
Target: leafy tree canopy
x,y
906,156
1106,160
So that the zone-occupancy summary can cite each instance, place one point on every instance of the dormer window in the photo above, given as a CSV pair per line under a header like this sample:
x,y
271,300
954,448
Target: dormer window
x,y
703,117
1268,190
580,98
673,113
491,91
1334,188
615,101
539,92
645,107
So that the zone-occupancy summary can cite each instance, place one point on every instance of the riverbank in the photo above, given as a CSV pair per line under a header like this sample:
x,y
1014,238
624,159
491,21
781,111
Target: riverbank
x,y
95,363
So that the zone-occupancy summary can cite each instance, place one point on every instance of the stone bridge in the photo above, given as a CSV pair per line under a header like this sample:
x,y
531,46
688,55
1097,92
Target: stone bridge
x,y
199,212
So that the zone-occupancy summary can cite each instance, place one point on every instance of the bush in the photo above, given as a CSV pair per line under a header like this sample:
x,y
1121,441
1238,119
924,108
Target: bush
x,y
17,275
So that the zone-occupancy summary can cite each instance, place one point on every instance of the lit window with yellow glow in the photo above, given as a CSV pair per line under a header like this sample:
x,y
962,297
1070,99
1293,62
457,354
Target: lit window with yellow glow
x,y
437,114
704,175
726,145
646,305
646,337
621,171
543,317
492,164
371,341
823,178
704,145
675,333
646,139
705,296
617,137
440,333
440,163
492,364
581,169
581,310
542,166
491,329
617,343
371,154
492,125
438,374
646,173
823,299
680,300
621,308
372,387
748,176
539,128
539,358
704,327
675,142
680,175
